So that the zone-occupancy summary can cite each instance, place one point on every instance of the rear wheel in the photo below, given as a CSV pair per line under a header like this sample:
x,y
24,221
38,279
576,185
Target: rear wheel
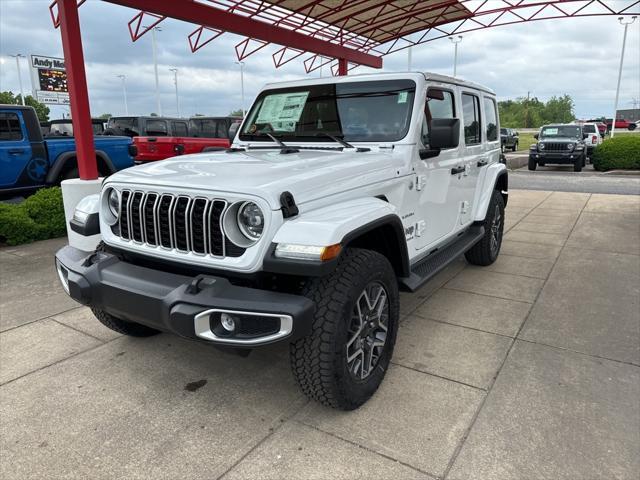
x,y
345,358
532,164
486,250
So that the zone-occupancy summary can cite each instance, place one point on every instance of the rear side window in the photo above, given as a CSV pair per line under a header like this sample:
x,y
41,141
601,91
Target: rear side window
x,y
157,128
179,129
471,118
589,128
492,120
10,127
205,128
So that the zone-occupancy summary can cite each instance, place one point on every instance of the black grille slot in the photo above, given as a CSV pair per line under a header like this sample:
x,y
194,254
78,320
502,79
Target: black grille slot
x,y
124,215
232,250
180,233
136,228
149,222
216,238
198,225
164,224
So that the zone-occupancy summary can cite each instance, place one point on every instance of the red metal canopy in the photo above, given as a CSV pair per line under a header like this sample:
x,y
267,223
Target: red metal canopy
x,y
344,33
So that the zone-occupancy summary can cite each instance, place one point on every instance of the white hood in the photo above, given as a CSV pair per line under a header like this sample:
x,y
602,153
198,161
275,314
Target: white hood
x,y
308,175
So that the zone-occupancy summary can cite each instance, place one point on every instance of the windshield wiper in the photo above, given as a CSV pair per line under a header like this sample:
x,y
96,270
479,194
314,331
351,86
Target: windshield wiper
x,y
341,141
284,148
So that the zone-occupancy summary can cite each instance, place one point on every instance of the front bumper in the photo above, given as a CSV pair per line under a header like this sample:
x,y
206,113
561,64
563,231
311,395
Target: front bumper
x,y
185,306
556,157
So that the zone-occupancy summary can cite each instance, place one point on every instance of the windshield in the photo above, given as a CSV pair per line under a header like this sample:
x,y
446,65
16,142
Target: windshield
x,y
377,111
561,131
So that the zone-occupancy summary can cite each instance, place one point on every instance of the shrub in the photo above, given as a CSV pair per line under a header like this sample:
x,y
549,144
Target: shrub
x,y
622,152
39,217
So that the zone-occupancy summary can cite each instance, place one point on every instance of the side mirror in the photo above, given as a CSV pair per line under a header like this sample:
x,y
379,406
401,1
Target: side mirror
x,y
536,136
233,130
444,133
585,136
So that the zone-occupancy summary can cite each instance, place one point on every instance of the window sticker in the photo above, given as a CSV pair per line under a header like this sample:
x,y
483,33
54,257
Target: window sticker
x,y
284,109
551,131
402,97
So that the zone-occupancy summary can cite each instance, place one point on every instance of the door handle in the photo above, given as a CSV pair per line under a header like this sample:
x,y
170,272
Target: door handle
x,y
482,163
457,170
16,151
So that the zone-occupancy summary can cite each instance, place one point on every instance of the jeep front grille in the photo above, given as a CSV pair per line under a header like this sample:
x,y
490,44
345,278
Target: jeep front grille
x,y
555,147
178,222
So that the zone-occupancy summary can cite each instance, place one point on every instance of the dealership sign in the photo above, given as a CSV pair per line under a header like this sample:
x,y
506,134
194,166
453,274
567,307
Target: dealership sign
x,y
49,80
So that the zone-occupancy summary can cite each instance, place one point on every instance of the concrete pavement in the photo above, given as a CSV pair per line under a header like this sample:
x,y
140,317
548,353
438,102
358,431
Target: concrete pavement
x,y
527,369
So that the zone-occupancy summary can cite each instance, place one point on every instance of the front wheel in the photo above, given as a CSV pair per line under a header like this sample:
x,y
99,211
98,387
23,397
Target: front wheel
x,y
342,362
532,164
577,164
515,147
487,249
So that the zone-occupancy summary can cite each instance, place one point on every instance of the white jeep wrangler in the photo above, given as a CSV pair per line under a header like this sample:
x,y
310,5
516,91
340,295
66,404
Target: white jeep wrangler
x,y
335,194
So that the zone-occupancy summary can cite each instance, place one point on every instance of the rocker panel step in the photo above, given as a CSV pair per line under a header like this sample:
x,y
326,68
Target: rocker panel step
x,y
425,269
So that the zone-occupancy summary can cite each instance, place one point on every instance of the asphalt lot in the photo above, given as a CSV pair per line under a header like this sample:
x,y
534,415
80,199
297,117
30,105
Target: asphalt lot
x,y
527,369
563,178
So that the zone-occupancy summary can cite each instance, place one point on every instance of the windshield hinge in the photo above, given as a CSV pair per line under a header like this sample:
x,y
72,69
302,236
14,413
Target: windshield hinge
x,y
288,205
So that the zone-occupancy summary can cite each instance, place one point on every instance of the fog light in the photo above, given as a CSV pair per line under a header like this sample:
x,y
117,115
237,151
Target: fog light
x,y
227,322
63,275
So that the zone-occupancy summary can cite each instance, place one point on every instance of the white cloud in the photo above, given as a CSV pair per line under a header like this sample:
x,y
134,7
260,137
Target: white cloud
x,y
574,56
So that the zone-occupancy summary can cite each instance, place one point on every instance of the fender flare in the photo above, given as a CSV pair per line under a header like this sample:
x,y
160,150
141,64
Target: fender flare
x,y
497,177
344,223
65,159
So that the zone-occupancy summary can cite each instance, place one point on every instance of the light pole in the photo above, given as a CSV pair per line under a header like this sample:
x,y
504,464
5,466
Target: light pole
x,y
624,41
241,84
155,67
455,40
18,56
124,93
175,82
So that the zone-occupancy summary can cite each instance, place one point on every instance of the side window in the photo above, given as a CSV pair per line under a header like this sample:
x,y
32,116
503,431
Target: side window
x,y
10,127
440,104
491,120
179,129
471,118
157,128
222,129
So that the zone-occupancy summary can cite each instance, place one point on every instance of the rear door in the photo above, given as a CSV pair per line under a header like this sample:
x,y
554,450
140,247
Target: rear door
x,y
17,168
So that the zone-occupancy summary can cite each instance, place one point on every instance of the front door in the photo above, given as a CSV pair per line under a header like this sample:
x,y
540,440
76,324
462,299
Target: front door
x,y
17,168
438,184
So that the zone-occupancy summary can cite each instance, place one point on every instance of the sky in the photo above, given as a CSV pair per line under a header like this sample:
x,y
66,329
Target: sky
x,y
579,57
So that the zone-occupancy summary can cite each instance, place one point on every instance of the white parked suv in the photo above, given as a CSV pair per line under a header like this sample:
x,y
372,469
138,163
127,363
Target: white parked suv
x,y
592,137
335,194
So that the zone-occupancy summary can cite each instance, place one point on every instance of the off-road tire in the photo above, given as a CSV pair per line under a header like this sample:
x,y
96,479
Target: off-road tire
x,y
577,164
532,164
121,326
117,325
319,360
515,147
484,253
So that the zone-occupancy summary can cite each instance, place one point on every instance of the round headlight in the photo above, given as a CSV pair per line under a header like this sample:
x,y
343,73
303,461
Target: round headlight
x,y
113,201
250,220
540,146
571,146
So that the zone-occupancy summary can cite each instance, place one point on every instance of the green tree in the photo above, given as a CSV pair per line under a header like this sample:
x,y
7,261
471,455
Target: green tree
x,y
42,111
105,116
533,113
236,113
